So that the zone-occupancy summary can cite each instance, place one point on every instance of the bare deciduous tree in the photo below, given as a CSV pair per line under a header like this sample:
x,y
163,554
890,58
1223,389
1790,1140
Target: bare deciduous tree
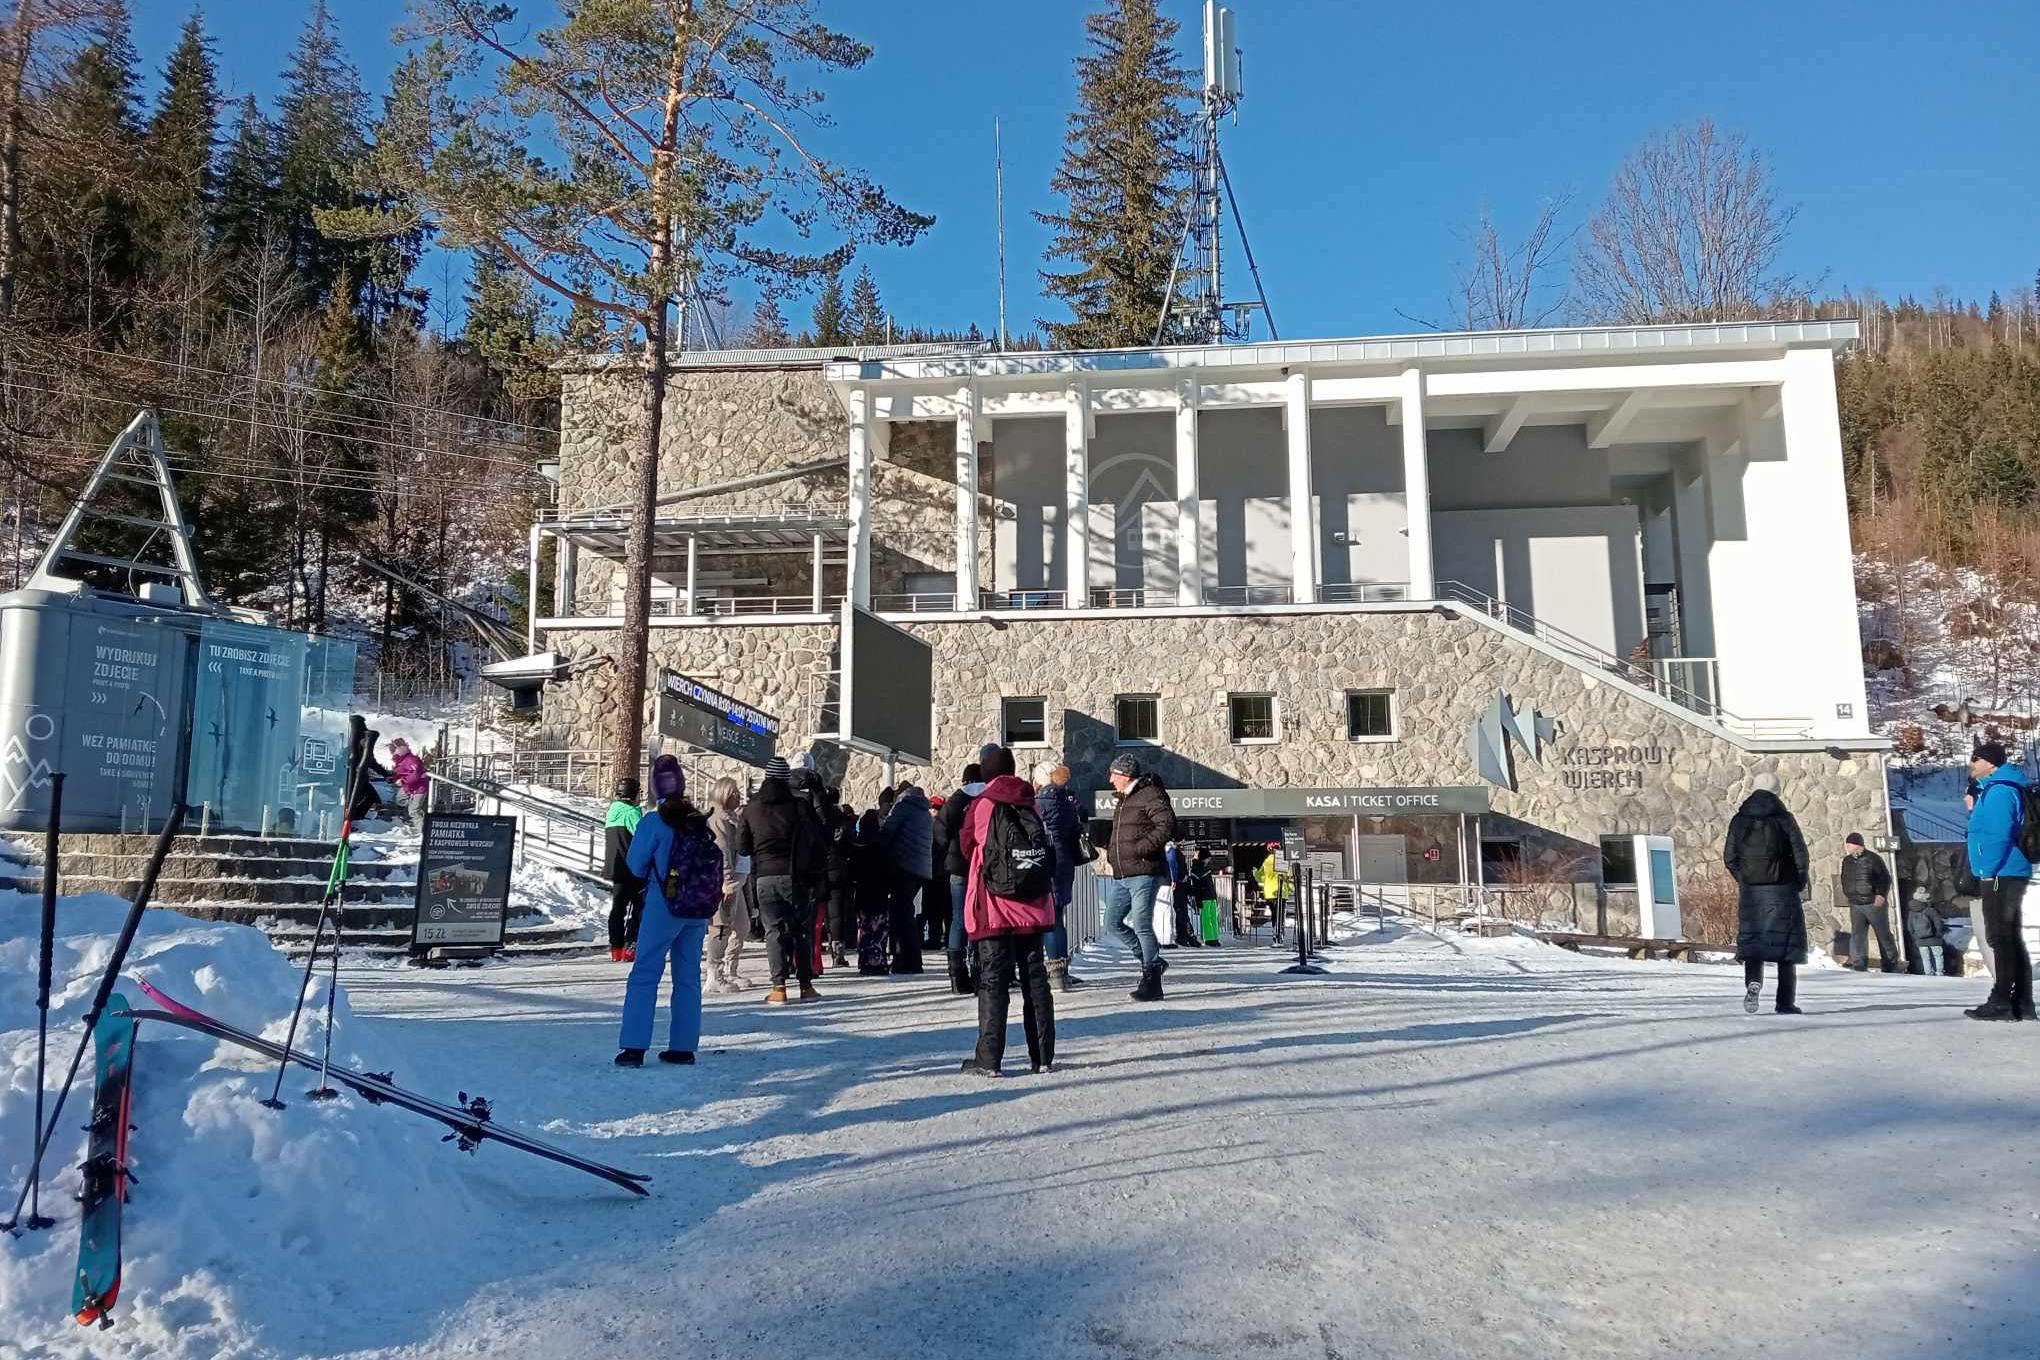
x,y
1505,287
1690,231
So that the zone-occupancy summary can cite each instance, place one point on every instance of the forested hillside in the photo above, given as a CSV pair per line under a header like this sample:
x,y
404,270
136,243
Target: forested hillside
x,y
320,401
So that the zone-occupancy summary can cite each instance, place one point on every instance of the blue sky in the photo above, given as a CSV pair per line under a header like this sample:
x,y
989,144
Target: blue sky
x,y
1372,134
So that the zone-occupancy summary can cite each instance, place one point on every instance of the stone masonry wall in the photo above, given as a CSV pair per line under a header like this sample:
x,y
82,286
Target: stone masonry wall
x,y
1619,764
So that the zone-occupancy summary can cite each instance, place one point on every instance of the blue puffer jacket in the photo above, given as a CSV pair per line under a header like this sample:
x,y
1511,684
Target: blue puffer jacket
x,y
1994,826
1063,820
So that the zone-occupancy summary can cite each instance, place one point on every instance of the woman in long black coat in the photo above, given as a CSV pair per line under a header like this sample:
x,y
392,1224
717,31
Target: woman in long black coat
x,y
1767,856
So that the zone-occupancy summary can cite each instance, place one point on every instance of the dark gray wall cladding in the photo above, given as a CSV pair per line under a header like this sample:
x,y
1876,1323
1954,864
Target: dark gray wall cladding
x,y
1620,764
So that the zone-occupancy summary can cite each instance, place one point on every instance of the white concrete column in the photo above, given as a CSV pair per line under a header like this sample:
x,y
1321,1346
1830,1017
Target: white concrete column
x,y
1296,415
820,603
860,497
1077,498
1189,562
687,599
531,596
1416,484
966,497
566,563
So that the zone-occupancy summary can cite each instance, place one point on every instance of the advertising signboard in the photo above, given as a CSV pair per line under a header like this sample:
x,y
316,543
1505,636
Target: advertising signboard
x,y
1259,803
463,880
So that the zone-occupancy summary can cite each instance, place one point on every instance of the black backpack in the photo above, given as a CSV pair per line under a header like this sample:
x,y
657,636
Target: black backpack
x,y
1767,853
1017,857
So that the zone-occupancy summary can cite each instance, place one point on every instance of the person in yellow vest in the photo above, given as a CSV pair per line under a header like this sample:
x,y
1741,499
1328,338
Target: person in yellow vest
x,y
1274,882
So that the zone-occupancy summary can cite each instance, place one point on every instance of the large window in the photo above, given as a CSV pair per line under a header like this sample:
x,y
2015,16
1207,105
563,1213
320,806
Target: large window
x,y
1618,861
1370,715
1137,719
1024,722
1253,717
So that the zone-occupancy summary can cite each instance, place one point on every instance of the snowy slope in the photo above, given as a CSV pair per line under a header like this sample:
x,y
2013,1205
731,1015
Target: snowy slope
x,y
252,1232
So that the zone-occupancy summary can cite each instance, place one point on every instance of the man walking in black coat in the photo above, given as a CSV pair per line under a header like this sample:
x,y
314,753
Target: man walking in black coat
x,y
1766,854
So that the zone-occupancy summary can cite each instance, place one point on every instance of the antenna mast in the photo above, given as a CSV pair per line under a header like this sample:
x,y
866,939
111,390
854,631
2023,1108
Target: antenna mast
x,y
999,177
1196,311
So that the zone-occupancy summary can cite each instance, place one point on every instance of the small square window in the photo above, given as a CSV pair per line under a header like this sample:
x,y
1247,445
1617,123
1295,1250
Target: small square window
x,y
1138,719
1253,717
1500,861
1618,861
1024,722
1370,715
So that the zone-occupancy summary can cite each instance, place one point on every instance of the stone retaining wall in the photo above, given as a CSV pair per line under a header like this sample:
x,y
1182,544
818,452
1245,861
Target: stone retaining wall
x,y
1619,764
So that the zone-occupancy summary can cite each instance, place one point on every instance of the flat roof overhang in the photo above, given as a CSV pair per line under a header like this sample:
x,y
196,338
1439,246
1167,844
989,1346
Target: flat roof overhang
x,y
714,536
1597,343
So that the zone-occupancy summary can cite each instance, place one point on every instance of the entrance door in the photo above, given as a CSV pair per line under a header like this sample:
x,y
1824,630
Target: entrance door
x,y
1384,868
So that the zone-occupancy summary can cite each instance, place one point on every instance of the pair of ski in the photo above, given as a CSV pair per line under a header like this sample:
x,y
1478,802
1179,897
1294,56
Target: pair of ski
x,y
469,1121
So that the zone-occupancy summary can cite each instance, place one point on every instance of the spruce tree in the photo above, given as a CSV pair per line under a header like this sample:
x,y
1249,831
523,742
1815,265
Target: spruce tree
x,y
320,144
768,326
504,328
241,209
828,326
865,320
178,147
85,206
1123,176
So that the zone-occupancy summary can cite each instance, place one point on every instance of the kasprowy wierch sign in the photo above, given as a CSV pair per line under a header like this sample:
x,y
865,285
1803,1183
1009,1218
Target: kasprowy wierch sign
x,y
463,880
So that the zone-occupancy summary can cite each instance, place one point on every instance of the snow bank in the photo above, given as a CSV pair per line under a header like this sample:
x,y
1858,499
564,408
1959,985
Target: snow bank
x,y
323,1226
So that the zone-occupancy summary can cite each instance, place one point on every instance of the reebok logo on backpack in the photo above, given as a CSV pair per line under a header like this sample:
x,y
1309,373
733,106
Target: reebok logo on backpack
x,y
1017,854
692,884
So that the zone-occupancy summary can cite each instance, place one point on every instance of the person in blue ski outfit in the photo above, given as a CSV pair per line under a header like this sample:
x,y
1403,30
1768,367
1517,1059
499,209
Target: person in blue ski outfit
x,y
2003,874
665,938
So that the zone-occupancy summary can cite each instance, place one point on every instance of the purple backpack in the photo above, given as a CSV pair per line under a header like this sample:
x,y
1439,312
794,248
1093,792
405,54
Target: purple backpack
x,y
692,882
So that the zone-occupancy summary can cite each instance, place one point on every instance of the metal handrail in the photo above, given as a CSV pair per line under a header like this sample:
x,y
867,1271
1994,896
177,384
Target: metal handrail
x,y
580,852
1362,592
1023,599
1247,595
1133,598
1635,672
915,602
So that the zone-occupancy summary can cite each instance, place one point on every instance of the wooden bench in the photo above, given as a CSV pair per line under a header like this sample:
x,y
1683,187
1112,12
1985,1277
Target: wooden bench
x,y
1637,948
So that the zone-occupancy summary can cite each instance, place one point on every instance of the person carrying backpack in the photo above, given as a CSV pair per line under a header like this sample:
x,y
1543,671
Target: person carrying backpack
x,y
1009,902
2004,837
675,853
1766,854
788,858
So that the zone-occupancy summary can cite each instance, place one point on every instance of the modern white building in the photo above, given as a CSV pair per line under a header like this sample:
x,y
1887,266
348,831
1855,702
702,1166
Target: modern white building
x,y
1313,564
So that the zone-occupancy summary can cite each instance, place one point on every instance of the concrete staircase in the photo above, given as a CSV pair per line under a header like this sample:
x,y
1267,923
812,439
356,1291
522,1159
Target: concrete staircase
x,y
272,883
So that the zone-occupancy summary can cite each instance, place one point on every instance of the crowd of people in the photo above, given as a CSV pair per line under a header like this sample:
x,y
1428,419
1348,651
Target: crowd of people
x,y
985,873
1766,854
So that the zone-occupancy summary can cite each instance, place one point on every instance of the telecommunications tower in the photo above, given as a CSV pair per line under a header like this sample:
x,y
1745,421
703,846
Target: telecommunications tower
x,y
1196,311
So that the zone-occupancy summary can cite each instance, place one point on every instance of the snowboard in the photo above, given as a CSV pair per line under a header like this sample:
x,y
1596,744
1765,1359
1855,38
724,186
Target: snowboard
x,y
97,1283
469,1120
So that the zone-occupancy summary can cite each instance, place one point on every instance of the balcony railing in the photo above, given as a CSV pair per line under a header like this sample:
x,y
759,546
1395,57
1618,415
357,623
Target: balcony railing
x,y
1361,592
1134,598
1246,595
742,606
1023,599
920,602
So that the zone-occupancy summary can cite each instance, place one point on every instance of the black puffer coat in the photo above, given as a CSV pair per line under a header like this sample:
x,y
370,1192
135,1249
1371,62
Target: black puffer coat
x,y
1142,829
1770,922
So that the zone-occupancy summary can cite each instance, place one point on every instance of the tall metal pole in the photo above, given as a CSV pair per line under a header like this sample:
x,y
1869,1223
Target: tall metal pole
x,y
999,176
51,851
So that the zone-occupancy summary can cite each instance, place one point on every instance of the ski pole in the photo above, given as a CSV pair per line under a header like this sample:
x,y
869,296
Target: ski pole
x,y
99,998
334,882
42,985
350,787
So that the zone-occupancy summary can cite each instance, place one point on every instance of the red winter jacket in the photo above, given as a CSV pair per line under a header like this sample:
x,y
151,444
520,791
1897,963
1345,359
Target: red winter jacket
x,y
983,914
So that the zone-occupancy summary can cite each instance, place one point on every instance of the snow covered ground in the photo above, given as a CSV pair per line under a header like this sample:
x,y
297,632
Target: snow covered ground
x,y
1447,1147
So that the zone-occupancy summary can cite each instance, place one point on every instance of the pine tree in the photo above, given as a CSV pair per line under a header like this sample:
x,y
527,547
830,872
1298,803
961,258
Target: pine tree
x,y
1123,176
768,326
510,140
179,144
865,319
827,319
